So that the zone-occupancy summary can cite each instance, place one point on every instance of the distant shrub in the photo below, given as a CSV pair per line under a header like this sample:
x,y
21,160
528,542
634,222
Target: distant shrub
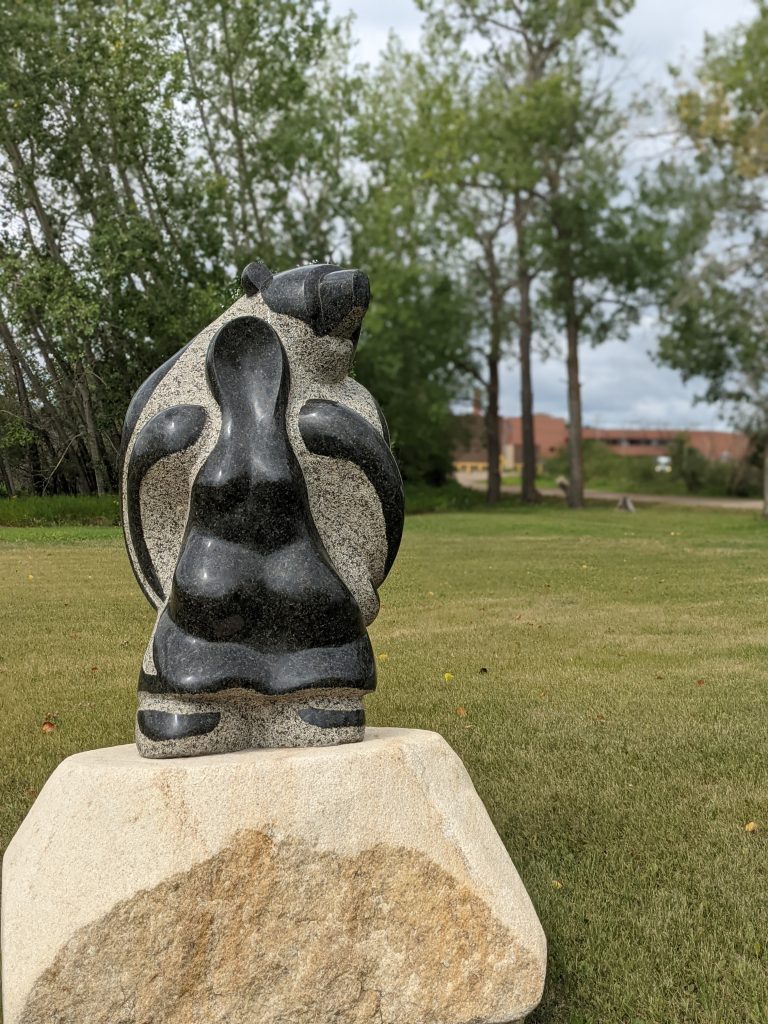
x,y
66,510
691,472
449,497
60,510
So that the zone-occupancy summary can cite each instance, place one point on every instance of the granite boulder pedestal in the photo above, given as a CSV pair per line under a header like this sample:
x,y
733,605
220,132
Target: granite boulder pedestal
x,y
328,885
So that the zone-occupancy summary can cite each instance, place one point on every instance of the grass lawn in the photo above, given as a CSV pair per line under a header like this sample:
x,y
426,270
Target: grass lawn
x,y
608,696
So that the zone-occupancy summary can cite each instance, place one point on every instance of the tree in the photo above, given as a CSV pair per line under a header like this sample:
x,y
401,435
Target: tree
x,y
102,225
133,182
446,134
570,248
714,307
528,45
604,246
159,148
271,95
716,330
416,330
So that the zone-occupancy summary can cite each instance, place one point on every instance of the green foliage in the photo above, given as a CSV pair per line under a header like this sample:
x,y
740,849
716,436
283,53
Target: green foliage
x,y
14,434
691,472
270,94
412,331
539,24
102,265
450,497
523,147
480,182
714,304
414,351
60,510
688,465
156,149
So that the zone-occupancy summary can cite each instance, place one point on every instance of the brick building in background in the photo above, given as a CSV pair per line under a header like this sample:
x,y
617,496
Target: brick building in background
x,y
551,434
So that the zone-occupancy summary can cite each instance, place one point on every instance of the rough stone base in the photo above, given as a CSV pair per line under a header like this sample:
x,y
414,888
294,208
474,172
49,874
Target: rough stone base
x,y
333,885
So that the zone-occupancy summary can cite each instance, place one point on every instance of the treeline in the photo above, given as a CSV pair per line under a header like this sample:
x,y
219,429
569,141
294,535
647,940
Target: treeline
x,y
149,149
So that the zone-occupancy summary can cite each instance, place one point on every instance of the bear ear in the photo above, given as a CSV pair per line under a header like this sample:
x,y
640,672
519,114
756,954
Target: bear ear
x,y
255,278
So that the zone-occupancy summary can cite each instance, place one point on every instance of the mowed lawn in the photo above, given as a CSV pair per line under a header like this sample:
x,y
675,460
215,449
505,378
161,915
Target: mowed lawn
x,y
604,676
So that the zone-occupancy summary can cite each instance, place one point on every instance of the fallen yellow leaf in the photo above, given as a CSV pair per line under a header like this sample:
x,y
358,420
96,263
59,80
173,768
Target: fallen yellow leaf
x,y
383,657
751,826
556,884
448,676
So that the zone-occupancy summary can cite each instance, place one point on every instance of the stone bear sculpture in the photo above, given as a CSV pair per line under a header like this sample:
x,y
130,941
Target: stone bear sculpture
x,y
262,509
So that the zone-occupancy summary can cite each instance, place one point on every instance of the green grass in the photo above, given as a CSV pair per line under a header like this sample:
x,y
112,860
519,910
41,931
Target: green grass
x,y
618,735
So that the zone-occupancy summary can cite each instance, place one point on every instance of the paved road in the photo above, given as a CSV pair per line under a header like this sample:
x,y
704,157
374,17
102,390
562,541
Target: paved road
x,y
734,504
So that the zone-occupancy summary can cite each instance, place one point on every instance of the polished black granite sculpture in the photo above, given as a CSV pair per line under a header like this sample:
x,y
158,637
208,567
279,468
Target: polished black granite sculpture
x,y
262,509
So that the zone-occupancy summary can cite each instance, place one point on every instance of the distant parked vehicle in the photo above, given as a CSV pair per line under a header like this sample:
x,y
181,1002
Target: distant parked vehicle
x,y
663,464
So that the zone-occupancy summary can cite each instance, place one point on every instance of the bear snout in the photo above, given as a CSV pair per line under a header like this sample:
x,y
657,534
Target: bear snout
x,y
344,297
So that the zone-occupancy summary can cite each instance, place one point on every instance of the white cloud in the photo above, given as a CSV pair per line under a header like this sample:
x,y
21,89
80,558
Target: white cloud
x,y
621,387
659,32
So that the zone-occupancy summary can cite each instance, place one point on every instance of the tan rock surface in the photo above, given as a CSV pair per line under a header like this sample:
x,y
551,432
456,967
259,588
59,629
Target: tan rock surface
x,y
348,885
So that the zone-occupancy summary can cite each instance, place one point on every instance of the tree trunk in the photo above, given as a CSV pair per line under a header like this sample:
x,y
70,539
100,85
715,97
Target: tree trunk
x,y
62,380
92,439
25,179
575,450
27,414
566,290
245,178
529,493
528,489
5,474
765,480
493,446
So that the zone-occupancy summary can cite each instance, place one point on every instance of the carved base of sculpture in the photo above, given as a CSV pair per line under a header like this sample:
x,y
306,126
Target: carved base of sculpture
x,y
172,726
348,884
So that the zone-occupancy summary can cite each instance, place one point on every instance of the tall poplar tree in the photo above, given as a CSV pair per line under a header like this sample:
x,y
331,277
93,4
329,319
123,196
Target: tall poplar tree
x,y
450,136
573,250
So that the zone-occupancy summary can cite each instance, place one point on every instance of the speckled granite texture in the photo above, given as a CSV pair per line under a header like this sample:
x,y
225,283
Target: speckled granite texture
x,y
244,720
262,510
351,884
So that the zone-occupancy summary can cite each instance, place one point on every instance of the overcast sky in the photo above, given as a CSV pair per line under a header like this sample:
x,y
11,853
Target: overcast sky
x,y
621,384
